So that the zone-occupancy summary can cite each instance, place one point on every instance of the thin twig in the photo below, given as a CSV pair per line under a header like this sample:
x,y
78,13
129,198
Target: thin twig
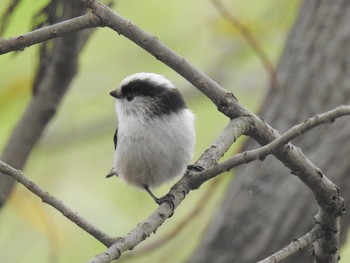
x,y
57,204
249,38
46,33
295,246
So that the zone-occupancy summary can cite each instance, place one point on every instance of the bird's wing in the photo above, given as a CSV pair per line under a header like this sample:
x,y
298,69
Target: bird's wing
x,y
115,139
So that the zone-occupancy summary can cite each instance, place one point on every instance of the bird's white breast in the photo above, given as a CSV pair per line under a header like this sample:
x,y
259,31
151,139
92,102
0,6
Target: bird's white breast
x,y
151,151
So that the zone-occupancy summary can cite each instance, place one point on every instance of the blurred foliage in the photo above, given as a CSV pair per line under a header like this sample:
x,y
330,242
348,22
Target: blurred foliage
x,y
76,150
7,14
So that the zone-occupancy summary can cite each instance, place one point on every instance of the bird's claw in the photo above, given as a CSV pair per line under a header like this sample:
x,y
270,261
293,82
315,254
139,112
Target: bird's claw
x,y
195,168
168,198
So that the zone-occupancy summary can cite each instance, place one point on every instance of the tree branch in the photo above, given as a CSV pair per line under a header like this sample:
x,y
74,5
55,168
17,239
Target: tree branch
x,y
295,246
272,147
195,211
235,129
57,204
46,33
326,249
226,101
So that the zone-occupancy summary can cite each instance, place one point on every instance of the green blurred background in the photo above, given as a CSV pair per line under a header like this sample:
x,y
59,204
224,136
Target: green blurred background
x,y
76,150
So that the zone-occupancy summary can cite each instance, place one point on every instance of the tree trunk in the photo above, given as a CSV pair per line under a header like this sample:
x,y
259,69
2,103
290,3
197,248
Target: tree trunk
x,y
265,207
58,71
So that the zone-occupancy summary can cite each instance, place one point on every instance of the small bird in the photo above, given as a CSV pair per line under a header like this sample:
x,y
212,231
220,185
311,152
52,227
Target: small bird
x,y
155,138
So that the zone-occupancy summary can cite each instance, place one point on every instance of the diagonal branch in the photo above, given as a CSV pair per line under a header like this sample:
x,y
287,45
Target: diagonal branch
x,y
57,204
46,33
185,222
295,246
224,100
272,147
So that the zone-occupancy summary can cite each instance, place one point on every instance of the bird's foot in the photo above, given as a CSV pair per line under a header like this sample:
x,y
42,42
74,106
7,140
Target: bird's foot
x,y
168,198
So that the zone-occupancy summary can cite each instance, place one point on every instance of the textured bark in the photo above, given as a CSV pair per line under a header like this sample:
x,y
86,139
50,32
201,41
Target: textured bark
x,y
49,90
265,207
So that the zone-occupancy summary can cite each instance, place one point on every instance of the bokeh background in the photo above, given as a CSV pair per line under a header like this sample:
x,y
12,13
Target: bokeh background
x,y
76,151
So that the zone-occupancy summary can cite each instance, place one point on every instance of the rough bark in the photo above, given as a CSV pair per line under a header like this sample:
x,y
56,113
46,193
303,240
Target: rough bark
x,y
50,88
265,207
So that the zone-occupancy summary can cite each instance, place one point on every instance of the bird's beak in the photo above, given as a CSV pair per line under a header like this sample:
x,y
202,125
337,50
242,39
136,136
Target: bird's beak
x,y
115,94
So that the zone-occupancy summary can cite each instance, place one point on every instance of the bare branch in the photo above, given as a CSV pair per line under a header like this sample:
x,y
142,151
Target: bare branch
x,y
49,32
54,202
197,208
326,249
295,246
235,129
272,147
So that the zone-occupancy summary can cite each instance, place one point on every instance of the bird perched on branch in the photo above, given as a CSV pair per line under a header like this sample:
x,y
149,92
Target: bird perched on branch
x,y
155,138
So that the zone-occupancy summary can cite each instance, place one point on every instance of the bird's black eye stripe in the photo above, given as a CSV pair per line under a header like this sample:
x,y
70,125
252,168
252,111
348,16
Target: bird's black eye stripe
x,y
140,88
167,100
129,96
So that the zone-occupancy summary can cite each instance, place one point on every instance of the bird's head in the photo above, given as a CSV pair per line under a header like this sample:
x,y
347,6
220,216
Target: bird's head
x,y
147,95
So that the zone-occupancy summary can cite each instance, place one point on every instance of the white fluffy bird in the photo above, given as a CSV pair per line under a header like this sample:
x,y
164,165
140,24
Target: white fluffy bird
x,y
155,138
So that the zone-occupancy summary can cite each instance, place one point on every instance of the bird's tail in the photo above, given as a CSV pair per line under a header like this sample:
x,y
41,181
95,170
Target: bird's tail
x,y
111,173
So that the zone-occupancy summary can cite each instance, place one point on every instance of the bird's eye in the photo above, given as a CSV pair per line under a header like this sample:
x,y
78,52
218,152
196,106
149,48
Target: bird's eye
x,y
129,96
